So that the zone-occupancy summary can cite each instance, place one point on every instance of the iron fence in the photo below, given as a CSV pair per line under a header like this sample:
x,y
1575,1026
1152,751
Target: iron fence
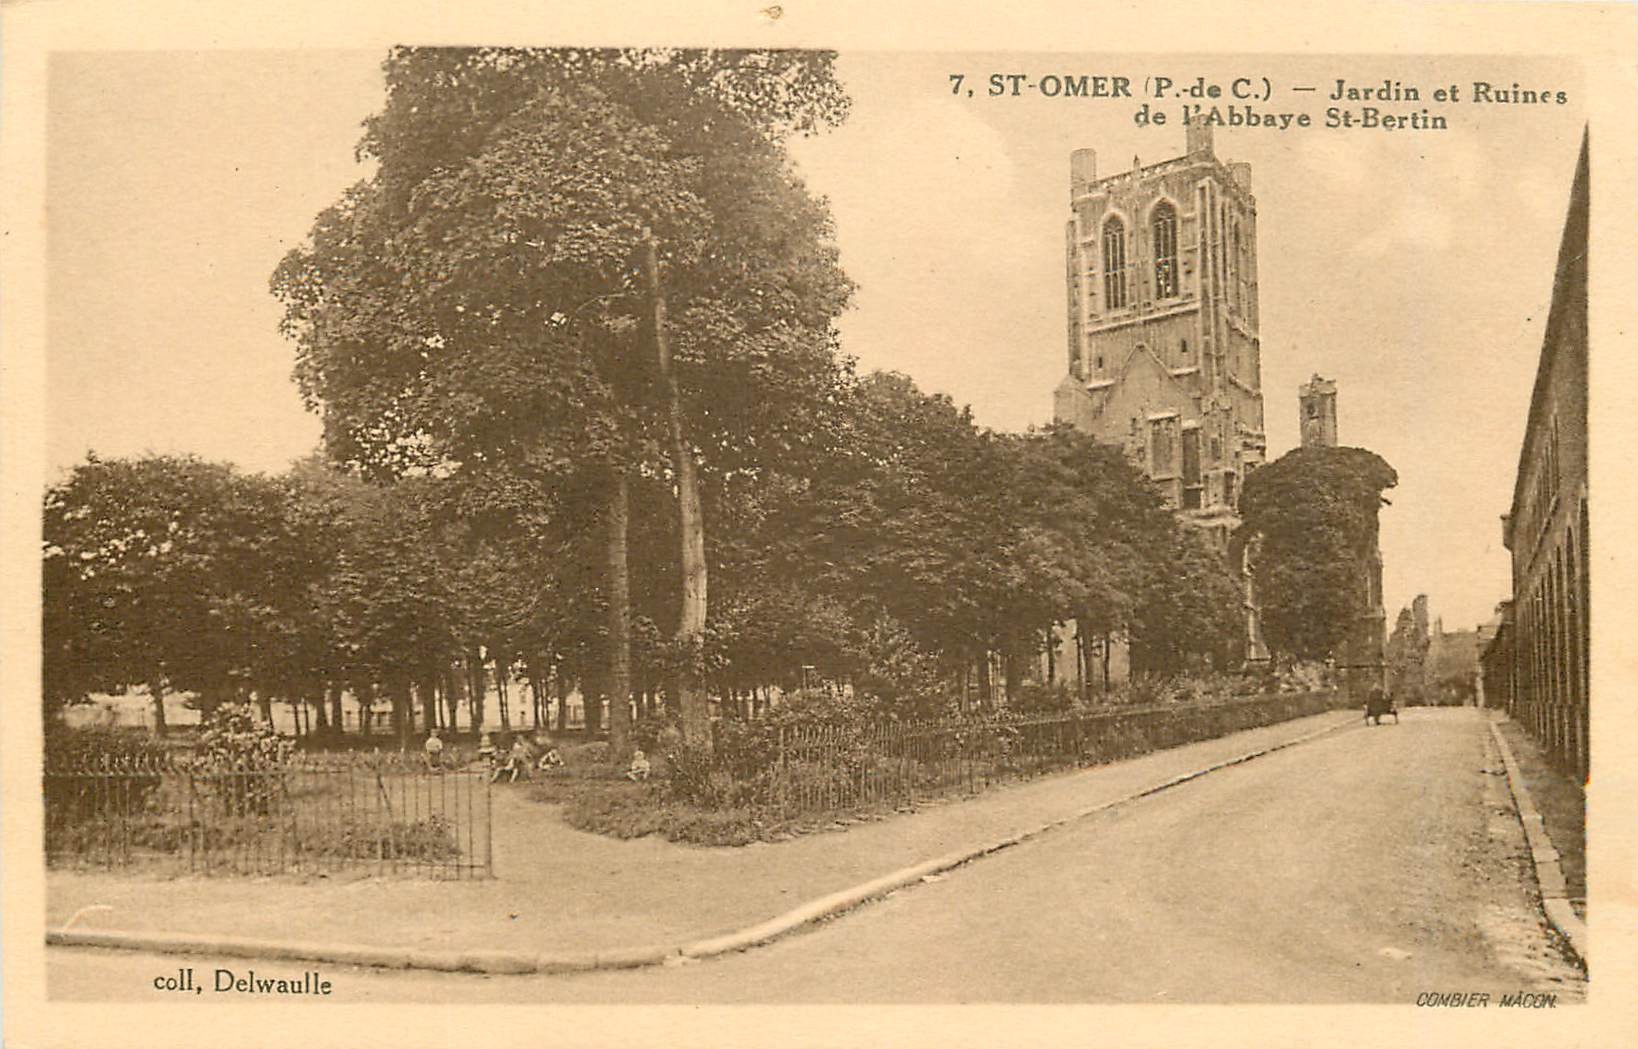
x,y
830,767
373,813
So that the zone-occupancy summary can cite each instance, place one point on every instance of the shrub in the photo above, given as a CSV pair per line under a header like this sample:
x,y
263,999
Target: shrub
x,y
430,838
89,772
589,754
233,737
238,758
86,748
618,810
1034,698
99,833
726,827
715,779
635,810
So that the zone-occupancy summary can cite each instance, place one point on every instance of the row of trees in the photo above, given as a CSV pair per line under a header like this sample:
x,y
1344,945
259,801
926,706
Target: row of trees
x,y
919,547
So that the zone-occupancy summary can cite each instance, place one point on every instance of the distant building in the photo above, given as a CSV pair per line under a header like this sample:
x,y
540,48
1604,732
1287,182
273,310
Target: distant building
x,y
1164,352
1452,667
1495,664
1545,639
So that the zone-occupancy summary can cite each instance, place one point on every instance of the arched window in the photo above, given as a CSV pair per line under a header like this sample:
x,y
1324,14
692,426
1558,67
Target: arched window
x,y
1114,264
1164,229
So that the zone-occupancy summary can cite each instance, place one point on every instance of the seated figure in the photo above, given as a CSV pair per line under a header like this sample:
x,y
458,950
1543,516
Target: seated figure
x,y
551,758
639,770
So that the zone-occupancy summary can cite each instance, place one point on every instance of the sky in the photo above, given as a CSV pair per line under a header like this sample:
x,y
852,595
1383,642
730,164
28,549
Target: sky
x,y
1414,268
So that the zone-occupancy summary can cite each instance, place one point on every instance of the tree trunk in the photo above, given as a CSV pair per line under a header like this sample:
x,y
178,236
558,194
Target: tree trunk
x,y
537,698
562,703
477,688
591,702
1083,668
316,698
337,718
619,612
400,698
157,692
1107,645
452,696
500,689
429,701
691,696
366,703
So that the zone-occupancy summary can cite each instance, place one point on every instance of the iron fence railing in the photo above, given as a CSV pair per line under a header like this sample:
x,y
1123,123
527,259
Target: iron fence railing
x,y
388,814
831,767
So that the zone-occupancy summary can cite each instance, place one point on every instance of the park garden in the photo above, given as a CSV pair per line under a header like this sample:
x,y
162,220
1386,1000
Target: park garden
x,y
591,442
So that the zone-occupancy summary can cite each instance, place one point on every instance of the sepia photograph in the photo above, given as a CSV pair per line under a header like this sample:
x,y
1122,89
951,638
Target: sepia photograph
x,y
611,524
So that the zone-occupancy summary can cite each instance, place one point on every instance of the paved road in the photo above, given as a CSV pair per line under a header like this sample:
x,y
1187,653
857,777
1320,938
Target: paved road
x,y
1368,866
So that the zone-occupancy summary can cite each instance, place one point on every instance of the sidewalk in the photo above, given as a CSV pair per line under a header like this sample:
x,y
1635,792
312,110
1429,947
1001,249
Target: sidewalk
x,y
1562,803
563,891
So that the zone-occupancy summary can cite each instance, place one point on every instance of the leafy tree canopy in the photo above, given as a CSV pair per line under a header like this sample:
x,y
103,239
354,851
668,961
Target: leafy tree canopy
x,y
1309,520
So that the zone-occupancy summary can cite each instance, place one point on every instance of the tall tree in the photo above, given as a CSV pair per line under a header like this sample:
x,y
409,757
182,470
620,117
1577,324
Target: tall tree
x,y
482,299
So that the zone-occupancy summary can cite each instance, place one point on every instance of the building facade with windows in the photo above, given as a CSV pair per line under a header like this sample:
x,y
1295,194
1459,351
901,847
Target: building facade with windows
x,y
1546,634
1164,353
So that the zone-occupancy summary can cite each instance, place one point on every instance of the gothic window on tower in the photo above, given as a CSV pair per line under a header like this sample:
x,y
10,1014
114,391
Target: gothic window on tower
x,y
1114,264
1164,228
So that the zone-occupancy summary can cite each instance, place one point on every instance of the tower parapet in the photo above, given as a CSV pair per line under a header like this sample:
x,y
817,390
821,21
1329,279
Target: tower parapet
x,y
1083,171
1197,138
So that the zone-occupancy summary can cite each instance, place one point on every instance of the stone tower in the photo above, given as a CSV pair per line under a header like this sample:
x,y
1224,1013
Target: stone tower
x,y
1164,352
1317,403
1363,658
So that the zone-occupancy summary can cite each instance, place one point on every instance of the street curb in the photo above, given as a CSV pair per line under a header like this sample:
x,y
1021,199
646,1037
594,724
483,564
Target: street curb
x,y
1555,900
523,962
